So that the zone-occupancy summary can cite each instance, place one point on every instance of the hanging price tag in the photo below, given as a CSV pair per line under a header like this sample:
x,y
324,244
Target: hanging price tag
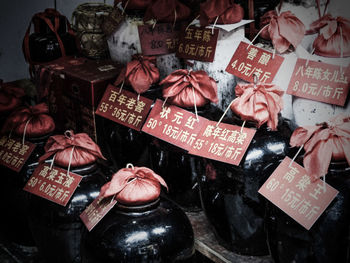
x,y
249,61
124,107
14,154
54,185
96,211
320,81
290,188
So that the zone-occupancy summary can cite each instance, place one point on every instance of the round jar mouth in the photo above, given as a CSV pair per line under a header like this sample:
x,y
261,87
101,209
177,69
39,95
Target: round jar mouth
x,y
139,208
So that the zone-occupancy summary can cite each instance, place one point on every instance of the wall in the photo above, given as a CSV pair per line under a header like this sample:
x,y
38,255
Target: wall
x,y
14,20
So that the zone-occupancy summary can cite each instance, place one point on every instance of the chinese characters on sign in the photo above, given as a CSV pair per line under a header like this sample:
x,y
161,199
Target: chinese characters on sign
x,y
14,154
53,184
248,61
224,142
160,40
173,124
291,189
96,211
197,43
124,108
320,81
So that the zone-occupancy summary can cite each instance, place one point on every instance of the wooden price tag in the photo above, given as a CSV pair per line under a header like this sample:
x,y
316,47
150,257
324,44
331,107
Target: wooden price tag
x,y
173,124
225,142
124,107
249,61
14,154
159,40
290,188
54,185
197,43
319,81
96,211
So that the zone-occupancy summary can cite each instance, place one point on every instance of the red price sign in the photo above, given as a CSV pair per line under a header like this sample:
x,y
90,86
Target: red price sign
x,y
173,124
248,61
198,43
290,188
225,142
320,81
53,184
158,40
96,211
124,107
14,154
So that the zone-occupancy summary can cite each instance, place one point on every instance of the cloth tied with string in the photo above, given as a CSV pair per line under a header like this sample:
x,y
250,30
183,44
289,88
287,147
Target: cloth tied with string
x,y
334,36
134,4
260,102
85,151
167,11
10,97
34,121
221,11
134,186
323,143
140,73
283,30
187,89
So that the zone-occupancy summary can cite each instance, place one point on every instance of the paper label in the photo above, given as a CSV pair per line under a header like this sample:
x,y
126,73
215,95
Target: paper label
x,y
160,40
223,143
54,185
173,124
96,211
124,107
249,61
14,154
197,43
319,81
290,188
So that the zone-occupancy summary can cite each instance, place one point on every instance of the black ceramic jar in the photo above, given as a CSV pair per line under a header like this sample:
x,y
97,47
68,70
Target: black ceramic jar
x,y
229,194
57,229
328,240
158,231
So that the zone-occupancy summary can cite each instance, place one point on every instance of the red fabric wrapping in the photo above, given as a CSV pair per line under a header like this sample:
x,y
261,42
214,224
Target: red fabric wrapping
x,y
39,122
134,4
323,143
85,152
328,43
134,186
10,97
164,11
260,103
283,30
140,73
227,11
178,88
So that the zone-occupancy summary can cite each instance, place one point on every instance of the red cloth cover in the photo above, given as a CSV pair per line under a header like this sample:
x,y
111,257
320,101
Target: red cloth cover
x,y
164,11
284,30
38,122
178,88
323,143
260,103
134,4
85,152
227,11
134,186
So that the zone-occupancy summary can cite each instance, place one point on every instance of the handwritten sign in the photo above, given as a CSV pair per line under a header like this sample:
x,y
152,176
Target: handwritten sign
x,y
291,189
53,184
320,81
173,124
160,40
124,107
96,211
248,61
14,154
197,43
225,142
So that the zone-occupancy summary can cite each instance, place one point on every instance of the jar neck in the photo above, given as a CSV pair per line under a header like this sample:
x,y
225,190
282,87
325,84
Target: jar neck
x,y
83,170
138,208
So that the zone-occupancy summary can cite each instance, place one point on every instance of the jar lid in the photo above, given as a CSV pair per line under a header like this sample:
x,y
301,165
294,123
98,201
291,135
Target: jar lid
x,y
134,186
